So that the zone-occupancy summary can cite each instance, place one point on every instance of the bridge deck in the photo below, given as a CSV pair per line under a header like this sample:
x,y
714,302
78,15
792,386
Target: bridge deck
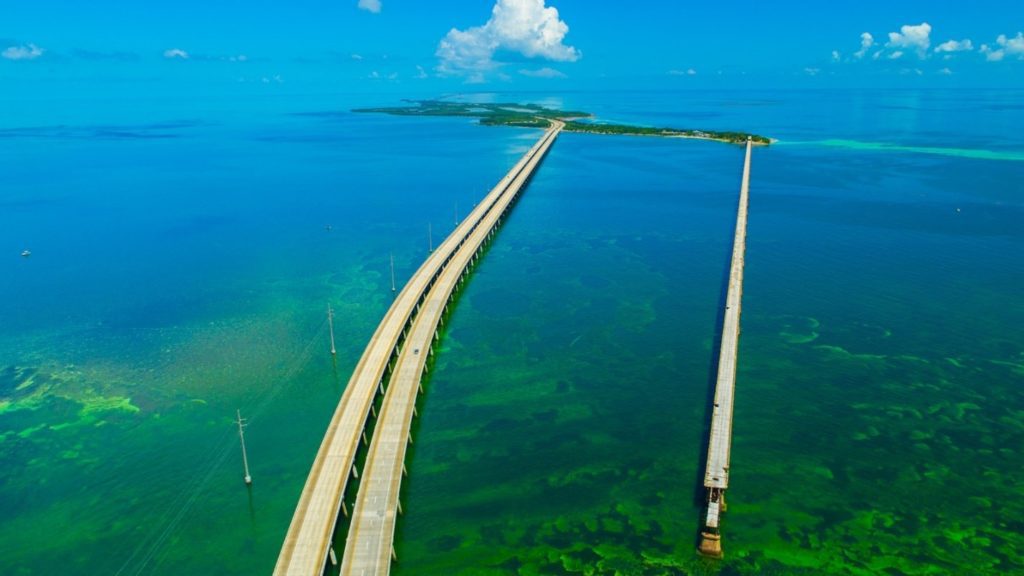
x,y
716,474
309,536
369,548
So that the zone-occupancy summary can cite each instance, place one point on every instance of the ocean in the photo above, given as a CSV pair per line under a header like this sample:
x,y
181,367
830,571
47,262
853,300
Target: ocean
x,y
183,256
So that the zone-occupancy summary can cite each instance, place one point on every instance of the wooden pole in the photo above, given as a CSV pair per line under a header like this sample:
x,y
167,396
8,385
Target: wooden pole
x,y
330,323
241,437
392,272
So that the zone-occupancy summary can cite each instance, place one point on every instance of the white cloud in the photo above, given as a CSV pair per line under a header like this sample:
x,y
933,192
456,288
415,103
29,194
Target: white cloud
x,y
526,27
357,56
1006,47
912,37
370,6
836,56
812,71
543,73
964,45
687,72
896,55
1013,46
946,72
421,73
990,54
179,54
176,53
866,42
23,52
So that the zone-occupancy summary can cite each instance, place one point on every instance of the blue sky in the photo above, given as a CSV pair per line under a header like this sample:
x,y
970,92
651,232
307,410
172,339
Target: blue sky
x,y
117,46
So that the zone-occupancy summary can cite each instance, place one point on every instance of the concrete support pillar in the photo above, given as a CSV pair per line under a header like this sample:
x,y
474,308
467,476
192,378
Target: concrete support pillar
x,y
710,545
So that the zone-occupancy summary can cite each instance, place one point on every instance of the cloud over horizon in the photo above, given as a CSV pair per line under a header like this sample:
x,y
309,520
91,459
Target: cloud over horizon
x,y
524,27
916,39
912,37
964,45
545,72
23,52
866,42
370,6
1005,47
175,53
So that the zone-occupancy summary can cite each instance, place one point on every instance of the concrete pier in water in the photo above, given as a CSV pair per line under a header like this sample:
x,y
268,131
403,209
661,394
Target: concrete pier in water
x,y
716,474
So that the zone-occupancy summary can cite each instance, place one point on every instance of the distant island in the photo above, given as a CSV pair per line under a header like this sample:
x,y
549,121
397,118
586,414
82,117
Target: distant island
x,y
534,116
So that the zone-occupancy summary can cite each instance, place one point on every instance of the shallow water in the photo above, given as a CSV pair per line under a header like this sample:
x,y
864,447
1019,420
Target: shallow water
x,y
180,270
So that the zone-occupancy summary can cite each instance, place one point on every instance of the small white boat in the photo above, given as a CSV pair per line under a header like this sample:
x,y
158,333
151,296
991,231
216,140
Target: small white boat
x,y
26,254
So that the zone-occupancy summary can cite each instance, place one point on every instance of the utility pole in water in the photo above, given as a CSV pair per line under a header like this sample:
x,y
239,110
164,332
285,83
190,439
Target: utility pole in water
x,y
241,437
392,272
330,323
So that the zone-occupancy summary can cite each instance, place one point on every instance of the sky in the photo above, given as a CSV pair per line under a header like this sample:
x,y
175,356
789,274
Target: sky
x,y
51,48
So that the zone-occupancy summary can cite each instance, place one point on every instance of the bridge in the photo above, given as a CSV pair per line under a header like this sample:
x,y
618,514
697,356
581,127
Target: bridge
x,y
391,366
369,548
716,474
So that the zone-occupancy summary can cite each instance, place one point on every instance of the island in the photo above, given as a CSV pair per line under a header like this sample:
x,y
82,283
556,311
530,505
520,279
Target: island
x,y
536,116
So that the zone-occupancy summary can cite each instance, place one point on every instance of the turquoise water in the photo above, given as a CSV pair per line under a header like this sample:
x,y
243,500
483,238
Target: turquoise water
x,y
181,267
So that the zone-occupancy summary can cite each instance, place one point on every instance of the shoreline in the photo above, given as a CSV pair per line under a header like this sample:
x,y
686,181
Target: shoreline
x,y
534,116
682,136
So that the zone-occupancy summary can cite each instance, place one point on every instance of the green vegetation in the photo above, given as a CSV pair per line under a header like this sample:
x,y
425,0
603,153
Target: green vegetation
x,y
730,137
535,116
